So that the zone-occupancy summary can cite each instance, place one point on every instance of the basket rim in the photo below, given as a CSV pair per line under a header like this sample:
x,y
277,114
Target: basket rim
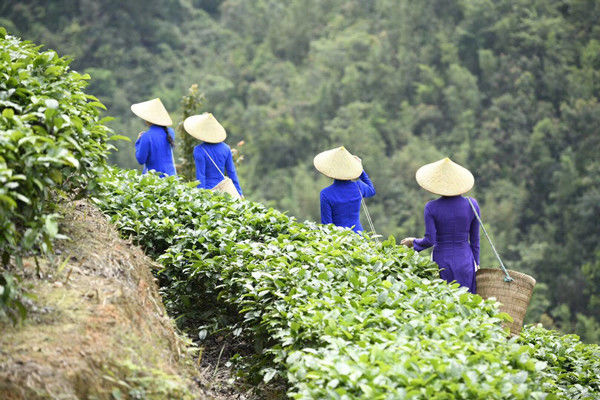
x,y
515,274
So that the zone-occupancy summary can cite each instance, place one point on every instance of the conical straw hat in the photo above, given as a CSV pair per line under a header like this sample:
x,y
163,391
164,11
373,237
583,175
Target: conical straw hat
x,y
205,127
152,111
445,177
338,163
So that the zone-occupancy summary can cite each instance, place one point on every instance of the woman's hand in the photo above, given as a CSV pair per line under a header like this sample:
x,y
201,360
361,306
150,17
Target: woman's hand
x,y
408,242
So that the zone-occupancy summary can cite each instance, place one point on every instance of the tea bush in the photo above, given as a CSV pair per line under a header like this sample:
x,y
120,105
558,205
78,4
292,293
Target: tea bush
x,y
573,369
51,137
333,313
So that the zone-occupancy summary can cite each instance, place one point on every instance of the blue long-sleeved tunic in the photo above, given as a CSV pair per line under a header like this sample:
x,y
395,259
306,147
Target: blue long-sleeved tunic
x,y
340,202
453,230
206,173
154,151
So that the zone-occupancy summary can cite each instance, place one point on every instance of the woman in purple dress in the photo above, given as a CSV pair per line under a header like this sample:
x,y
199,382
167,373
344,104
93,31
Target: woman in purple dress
x,y
450,223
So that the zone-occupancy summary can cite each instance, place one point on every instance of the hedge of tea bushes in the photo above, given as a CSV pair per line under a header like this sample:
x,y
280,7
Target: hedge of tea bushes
x,y
51,137
333,313
573,369
51,140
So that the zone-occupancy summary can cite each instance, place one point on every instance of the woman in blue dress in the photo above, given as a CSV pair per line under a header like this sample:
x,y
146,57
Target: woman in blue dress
x,y
451,226
154,147
213,157
340,202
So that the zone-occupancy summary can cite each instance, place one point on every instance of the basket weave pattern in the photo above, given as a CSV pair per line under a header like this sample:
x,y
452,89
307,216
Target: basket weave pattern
x,y
513,296
227,186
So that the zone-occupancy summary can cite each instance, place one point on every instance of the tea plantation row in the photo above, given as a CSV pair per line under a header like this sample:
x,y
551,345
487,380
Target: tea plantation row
x,y
334,314
51,140
52,137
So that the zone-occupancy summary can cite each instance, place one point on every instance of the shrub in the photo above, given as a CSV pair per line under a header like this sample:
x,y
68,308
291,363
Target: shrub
x,y
573,367
51,139
51,136
331,312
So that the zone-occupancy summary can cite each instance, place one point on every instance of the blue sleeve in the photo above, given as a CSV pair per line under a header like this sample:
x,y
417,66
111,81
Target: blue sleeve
x,y
200,167
231,173
366,186
474,233
142,149
326,216
430,232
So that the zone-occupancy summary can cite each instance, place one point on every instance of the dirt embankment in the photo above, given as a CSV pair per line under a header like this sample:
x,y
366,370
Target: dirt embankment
x,y
97,328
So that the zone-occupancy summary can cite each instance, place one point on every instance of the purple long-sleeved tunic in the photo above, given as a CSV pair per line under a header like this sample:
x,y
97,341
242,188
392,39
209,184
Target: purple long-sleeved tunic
x,y
453,230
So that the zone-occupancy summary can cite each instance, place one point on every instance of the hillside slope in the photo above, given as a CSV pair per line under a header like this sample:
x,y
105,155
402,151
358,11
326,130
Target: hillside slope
x,y
97,328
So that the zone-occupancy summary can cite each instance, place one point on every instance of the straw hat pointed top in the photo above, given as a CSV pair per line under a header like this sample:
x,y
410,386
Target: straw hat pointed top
x,y
205,127
338,163
445,177
152,111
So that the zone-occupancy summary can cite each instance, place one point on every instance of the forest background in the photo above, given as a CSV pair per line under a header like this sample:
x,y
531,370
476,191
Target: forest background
x,y
507,88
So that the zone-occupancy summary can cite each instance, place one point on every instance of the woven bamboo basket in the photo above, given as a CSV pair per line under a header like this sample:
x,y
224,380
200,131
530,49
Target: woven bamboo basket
x,y
227,186
513,296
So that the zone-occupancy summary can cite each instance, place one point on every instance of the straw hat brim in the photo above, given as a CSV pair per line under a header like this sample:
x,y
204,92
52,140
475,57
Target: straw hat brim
x,y
205,127
152,111
445,177
338,163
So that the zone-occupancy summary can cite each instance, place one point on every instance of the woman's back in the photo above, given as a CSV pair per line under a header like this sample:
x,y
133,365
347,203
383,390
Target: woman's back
x,y
154,151
213,160
452,228
340,202
453,217
344,200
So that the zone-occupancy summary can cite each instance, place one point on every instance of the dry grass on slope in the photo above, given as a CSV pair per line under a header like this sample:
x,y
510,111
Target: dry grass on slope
x,y
97,328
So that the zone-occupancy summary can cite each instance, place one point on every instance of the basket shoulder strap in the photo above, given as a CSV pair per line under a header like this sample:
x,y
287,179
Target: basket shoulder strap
x,y
214,163
507,278
366,210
